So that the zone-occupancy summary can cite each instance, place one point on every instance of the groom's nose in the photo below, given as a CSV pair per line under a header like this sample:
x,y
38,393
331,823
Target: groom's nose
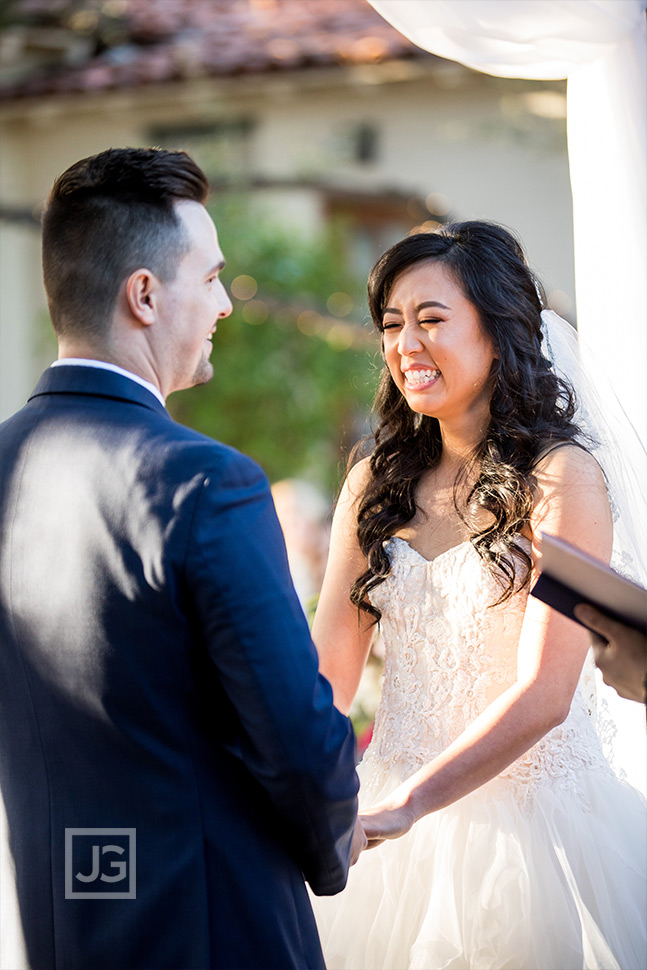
x,y
224,302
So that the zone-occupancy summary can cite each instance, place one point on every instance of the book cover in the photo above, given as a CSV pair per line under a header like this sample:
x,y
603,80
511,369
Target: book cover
x,y
569,576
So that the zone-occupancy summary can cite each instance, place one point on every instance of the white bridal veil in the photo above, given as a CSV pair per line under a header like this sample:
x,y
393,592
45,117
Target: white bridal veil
x,y
614,442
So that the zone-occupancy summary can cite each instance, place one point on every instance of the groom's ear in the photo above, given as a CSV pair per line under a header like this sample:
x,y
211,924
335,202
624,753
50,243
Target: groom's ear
x,y
141,295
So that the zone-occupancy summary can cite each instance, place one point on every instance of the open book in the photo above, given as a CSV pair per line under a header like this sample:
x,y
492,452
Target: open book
x,y
570,576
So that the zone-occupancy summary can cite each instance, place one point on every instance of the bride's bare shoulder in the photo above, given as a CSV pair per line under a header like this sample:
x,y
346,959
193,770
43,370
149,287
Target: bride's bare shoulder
x,y
571,500
568,463
357,479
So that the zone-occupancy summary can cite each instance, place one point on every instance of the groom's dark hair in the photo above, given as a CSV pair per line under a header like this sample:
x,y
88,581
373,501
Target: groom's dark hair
x,y
107,216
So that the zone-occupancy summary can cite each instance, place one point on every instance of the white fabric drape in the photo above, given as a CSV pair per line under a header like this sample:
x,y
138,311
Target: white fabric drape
x,y
600,46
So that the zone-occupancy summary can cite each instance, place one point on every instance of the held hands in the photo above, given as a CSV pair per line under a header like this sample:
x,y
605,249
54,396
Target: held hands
x,y
388,820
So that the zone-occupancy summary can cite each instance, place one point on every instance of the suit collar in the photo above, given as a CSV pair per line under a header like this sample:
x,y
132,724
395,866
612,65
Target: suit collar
x,y
105,365
97,383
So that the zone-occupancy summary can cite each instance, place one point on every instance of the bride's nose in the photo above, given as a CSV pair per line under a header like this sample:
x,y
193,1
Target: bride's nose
x,y
409,341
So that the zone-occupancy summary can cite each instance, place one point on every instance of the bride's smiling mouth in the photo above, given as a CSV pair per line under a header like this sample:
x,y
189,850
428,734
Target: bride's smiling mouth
x,y
419,378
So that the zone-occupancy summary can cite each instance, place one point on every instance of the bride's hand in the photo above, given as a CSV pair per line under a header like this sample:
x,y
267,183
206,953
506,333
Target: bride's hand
x,y
387,820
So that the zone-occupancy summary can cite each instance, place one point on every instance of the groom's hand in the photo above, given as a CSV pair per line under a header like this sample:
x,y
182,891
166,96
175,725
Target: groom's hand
x,y
359,842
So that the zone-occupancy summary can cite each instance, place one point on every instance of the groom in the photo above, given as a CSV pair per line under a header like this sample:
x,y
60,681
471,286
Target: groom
x,y
171,765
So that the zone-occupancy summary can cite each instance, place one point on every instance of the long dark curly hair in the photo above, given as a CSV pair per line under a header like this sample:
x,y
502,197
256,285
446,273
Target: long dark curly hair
x,y
531,409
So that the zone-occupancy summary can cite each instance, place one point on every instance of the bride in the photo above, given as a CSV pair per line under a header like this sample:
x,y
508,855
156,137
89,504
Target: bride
x,y
498,836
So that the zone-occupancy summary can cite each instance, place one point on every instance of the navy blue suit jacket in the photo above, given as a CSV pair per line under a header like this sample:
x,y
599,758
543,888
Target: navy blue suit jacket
x,y
157,676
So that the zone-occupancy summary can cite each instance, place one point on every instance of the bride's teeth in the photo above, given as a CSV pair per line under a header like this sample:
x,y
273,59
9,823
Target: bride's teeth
x,y
420,376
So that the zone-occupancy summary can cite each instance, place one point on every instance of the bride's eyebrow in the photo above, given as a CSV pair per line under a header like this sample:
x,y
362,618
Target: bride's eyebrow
x,y
420,306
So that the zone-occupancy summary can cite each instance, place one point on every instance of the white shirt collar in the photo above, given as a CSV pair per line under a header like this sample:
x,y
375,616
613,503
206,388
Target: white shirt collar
x,y
103,365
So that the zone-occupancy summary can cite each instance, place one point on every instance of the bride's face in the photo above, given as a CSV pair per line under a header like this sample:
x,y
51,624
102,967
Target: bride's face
x,y
435,347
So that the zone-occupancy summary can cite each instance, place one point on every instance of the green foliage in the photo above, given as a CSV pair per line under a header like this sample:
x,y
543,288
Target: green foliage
x,y
294,376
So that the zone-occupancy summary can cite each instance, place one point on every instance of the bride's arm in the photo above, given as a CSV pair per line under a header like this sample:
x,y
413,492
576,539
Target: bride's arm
x,y
571,502
343,638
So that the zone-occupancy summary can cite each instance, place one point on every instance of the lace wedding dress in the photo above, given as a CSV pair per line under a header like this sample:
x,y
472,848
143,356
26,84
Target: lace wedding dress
x,y
542,868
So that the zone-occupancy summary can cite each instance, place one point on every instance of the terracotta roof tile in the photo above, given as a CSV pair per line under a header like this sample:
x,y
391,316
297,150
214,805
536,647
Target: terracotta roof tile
x,y
167,40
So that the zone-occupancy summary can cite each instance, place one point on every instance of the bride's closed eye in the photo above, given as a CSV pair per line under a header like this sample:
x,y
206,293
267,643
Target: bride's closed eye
x,y
396,325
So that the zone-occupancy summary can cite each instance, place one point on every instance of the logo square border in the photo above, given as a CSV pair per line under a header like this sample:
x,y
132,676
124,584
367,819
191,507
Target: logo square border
x,y
70,893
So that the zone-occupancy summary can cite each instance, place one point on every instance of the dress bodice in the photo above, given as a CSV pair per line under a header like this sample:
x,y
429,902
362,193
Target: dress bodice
x,y
449,652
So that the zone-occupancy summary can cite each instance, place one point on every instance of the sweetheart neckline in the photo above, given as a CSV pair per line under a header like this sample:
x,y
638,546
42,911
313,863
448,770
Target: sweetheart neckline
x,y
429,562
441,555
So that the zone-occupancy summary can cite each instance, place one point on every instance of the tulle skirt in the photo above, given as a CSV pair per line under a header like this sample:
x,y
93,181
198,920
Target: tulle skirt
x,y
553,882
